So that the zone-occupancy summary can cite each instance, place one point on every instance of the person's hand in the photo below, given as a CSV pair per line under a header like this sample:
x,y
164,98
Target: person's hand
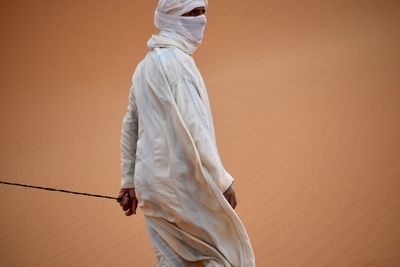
x,y
230,196
128,201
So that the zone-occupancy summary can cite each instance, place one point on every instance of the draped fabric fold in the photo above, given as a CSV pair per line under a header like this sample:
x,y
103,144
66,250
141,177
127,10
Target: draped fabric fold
x,y
178,174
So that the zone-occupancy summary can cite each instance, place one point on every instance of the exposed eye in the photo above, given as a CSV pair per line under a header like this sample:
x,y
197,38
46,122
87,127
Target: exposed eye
x,y
200,12
196,12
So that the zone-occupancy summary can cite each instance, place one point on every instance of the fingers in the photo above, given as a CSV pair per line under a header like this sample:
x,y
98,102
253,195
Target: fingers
x,y
231,201
120,196
128,201
234,200
125,202
231,198
128,208
227,197
134,205
129,212
132,193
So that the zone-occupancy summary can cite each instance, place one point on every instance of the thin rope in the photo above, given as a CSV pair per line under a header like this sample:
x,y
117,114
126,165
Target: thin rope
x,y
59,190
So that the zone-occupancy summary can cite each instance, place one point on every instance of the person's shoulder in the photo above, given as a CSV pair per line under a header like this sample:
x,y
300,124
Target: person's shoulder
x,y
167,57
172,55
138,69
171,62
174,63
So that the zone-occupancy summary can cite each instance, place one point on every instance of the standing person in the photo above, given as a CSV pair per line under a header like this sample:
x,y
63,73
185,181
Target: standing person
x,y
170,165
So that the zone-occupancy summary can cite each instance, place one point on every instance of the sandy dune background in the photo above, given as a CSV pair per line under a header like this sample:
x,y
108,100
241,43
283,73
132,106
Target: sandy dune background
x,y
306,103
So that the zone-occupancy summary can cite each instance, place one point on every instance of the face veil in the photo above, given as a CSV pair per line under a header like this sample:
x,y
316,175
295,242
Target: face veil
x,y
168,18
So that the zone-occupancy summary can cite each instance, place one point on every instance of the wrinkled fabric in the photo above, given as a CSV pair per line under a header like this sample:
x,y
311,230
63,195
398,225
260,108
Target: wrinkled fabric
x,y
189,30
169,154
179,7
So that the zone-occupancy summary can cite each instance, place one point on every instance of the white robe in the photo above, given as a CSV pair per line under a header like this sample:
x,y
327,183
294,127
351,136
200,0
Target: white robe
x,y
169,154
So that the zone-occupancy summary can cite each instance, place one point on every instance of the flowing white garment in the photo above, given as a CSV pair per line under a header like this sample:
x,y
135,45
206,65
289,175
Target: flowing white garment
x,y
169,154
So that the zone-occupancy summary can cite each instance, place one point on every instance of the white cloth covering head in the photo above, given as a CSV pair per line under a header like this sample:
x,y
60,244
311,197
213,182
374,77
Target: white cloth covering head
x,y
179,7
187,31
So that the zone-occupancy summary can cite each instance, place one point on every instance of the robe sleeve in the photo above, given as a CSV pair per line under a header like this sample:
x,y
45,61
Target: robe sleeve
x,y
194,114
128,142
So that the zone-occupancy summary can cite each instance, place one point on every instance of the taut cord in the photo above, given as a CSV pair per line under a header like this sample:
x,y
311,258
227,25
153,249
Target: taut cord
x,y
59,190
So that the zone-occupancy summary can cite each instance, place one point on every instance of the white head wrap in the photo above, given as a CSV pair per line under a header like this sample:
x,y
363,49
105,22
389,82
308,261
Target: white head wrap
x,y
179,7
188,31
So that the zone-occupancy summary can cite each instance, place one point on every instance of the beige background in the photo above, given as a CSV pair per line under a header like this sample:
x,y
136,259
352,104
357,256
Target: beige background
x,y
306,103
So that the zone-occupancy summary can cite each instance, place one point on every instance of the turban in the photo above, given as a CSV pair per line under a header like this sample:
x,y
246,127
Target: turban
x,y
179,7
168,18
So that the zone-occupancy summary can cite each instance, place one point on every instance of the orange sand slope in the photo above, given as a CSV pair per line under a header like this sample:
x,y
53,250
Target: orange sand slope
x,y
306,103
